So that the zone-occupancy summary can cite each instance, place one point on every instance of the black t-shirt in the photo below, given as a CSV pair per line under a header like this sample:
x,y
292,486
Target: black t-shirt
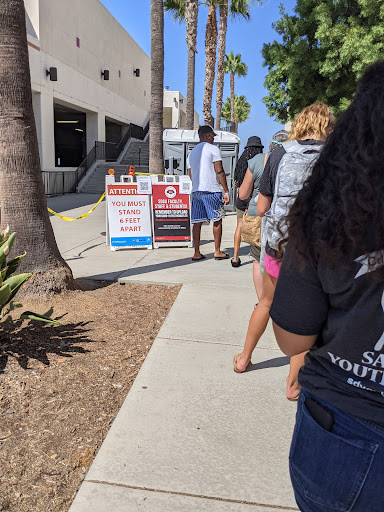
x,y
346,307
241,204
268,178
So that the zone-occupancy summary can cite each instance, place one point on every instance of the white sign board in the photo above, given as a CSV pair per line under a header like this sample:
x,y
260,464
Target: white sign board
x,y
129,216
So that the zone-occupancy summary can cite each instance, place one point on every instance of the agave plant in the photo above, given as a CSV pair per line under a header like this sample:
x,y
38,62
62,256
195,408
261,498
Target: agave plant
x,y
10,284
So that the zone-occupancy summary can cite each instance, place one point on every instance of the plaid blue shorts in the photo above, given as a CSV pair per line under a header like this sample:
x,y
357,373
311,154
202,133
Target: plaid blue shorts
x,y
206,206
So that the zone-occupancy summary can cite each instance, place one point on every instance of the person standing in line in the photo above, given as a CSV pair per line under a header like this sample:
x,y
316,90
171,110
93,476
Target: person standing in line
x,y
253,148
309,131
250,187
205,168
329,300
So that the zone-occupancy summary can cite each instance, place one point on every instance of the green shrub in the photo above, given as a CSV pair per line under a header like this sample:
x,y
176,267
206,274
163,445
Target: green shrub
x,y
10,284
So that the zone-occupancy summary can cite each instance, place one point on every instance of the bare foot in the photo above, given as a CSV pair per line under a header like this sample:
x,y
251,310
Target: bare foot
x,y
293,390
240,363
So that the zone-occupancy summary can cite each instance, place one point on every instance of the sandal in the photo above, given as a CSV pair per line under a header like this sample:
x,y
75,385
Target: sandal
x,y
224,256
235,262
235,368
202,257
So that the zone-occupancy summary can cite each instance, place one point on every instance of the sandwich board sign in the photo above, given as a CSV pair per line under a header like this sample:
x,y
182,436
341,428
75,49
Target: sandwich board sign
x,y
128,214
171,204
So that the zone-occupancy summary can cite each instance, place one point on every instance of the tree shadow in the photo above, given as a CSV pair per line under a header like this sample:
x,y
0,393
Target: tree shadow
x,y
36,340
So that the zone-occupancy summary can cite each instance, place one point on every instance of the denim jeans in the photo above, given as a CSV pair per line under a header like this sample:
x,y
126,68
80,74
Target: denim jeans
x,y
341,470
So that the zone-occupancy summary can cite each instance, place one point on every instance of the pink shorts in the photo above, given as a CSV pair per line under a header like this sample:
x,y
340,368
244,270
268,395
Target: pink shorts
x,y
272,266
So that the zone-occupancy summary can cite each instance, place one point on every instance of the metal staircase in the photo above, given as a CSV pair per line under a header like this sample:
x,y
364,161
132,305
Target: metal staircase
x,y
137,154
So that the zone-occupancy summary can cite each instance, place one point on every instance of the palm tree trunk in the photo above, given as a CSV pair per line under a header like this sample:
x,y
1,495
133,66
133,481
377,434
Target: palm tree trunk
x,y
220,61
232,82
210,62
191,10
156,163
23,201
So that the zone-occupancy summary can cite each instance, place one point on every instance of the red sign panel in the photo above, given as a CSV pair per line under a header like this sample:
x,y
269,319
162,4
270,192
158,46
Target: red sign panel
x,y
171,213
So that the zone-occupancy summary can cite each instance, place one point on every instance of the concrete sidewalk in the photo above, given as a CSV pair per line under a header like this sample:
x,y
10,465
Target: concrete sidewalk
x,y
192,435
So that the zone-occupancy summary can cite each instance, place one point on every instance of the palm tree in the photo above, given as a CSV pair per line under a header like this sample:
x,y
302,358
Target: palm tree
x,y
234,66
210,60
188,10
242,110
236,8
156,162
23,201
191,11
178,9
223,21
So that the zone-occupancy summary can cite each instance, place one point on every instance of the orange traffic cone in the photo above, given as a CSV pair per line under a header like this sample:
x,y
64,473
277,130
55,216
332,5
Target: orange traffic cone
x,y
131,170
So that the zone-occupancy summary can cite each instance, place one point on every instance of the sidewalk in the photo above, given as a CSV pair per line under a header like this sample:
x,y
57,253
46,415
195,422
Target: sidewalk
x,y
192,435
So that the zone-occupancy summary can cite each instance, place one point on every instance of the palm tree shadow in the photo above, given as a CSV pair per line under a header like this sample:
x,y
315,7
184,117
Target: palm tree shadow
x,y
35,340
270,363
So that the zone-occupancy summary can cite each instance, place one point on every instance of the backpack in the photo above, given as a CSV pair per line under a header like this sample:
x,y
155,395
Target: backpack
x,y
294,168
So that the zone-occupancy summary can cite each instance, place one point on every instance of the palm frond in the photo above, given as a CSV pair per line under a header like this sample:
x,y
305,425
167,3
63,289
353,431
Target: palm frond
x,y
242,109
233,64
239,8
176,8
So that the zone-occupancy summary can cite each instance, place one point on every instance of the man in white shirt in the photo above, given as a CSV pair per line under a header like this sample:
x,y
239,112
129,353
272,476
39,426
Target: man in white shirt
x,y
206,171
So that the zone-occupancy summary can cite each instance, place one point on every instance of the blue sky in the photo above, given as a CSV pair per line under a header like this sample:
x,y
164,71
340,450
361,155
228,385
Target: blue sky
x,y
243,37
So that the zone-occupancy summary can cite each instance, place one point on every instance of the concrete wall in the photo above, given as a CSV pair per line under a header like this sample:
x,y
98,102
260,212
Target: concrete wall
x,y
175,108
81,38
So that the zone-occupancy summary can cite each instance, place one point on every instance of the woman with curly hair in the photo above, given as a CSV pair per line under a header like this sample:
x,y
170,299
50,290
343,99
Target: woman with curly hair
x,y
253,147
307,137
330,300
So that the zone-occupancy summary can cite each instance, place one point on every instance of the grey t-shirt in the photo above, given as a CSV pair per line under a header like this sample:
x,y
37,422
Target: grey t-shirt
x,y
345,306
255,165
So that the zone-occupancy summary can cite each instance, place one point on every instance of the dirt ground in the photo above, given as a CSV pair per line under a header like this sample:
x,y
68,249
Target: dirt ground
x,y
62,386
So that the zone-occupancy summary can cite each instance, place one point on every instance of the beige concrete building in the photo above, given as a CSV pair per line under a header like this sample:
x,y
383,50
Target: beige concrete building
x,y
90,79
174,111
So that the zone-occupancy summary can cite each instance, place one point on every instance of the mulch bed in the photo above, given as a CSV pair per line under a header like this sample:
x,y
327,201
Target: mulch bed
x,y
62,386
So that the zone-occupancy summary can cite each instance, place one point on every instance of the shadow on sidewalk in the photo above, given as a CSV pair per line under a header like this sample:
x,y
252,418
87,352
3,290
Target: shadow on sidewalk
x,y
270,363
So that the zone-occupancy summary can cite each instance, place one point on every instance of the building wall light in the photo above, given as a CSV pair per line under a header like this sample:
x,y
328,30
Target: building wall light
x,y
136,72
105,74
52,73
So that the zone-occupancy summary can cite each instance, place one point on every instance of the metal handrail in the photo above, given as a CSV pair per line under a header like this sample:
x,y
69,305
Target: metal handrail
x,y
121,144
86,164
59,182
106,150
109,151
138,150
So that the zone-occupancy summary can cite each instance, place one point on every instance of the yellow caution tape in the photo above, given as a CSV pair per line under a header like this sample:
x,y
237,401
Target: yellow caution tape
x,y
81,216
68,219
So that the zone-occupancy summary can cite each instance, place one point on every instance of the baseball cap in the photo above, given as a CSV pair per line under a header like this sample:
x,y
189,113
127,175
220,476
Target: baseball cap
x,y
206,129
